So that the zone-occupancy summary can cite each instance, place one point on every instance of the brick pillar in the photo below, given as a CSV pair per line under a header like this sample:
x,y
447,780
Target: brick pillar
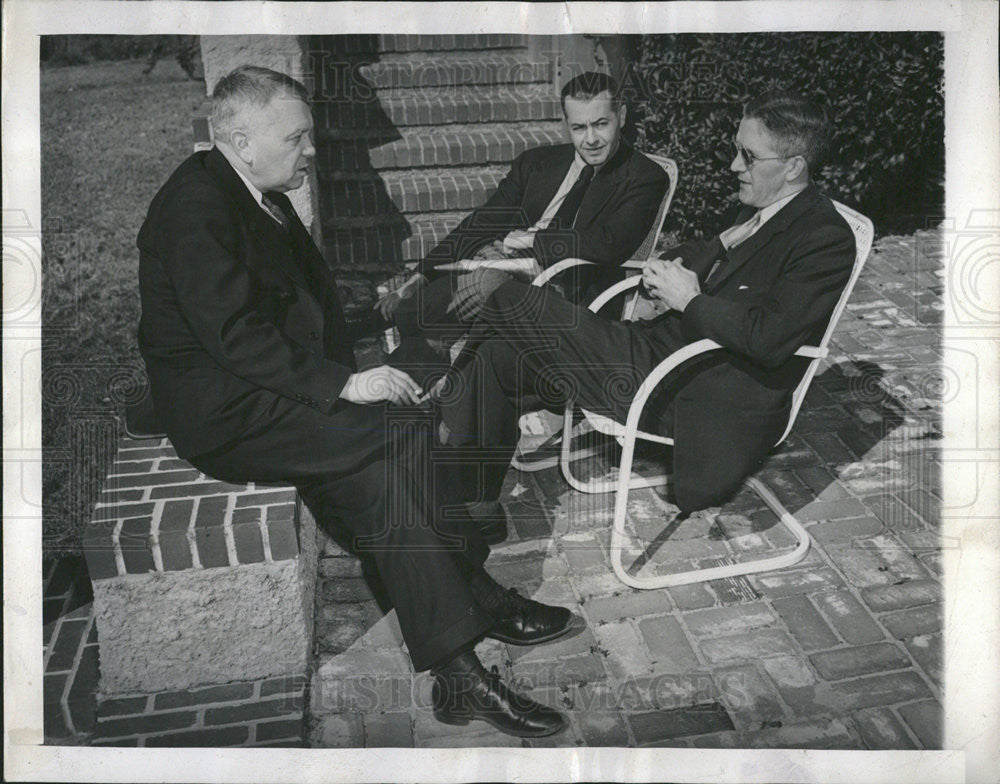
x,y
196,581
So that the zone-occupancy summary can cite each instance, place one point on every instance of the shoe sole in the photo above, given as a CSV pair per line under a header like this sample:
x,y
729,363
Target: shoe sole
x,y
461,721
569,631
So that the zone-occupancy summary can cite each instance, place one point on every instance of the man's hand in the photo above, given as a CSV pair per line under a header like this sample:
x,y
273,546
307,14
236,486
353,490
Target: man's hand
x,y
382,383
387,305
518,240
670,282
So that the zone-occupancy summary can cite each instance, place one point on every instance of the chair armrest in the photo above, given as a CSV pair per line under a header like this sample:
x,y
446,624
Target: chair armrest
x,y
550,272
613,291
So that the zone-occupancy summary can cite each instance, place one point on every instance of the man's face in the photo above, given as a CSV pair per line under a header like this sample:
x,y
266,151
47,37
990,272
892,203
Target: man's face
x,y
594,127
764,181
280,141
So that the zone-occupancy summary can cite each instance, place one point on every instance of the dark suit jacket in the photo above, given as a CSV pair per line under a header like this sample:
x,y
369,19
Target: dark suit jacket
x,y
774,293
617,211
234,310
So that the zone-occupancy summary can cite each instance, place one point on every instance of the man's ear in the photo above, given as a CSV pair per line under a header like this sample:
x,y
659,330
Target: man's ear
x,y
622,110
240,142
798,168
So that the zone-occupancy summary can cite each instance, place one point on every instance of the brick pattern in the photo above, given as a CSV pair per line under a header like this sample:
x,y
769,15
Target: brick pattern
x,y
413,132
843,650
70,656
266,712
157,513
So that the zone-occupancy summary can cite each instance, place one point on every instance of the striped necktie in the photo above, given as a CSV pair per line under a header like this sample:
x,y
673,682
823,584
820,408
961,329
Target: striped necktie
x,y
731,238
739,233
276,212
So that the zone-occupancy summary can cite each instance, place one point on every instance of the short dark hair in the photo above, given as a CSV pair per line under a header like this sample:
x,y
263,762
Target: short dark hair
x,y
799,126
253,85
589,85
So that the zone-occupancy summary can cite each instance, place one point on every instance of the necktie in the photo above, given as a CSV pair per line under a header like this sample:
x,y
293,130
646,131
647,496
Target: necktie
x,y
276,212
732,237
565,216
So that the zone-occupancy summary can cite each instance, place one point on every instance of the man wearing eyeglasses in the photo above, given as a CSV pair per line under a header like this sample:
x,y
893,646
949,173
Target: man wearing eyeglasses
x,y
761,288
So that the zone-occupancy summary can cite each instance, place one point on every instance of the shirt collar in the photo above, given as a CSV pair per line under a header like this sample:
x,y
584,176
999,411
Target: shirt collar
x,y
768,212
258,196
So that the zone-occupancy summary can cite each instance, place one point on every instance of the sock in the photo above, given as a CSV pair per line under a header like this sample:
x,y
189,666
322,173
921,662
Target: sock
x,y
459,663
489,593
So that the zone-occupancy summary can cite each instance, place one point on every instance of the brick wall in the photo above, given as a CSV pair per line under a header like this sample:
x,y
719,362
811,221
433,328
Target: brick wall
x,y
159,513
415,131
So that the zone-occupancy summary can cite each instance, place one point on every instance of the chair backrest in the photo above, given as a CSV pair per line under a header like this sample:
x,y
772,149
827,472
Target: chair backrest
x,y
864,234
649,244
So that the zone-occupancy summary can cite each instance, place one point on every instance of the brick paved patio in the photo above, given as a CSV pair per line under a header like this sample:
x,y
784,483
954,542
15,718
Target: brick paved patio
x,y
844,650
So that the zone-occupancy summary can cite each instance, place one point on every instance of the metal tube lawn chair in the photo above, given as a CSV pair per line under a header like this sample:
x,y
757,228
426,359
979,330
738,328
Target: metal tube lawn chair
x,y
644,252
627,434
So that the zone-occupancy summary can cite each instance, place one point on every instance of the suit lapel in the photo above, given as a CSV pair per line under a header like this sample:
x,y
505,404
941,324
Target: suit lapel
x,y
743,253
220,168
269,239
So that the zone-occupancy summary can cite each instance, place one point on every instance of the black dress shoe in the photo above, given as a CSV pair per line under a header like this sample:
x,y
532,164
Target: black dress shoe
x,y
491,518
461,697
527,622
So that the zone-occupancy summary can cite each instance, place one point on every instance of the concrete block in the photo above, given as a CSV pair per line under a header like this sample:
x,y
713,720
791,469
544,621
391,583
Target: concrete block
x,y
169,631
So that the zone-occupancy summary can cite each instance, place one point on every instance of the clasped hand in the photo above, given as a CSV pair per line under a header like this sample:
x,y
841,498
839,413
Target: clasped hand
x,y
382,383
670,282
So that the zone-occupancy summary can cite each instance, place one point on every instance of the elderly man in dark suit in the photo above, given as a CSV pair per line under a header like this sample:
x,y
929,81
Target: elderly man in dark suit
x,y
761,288
253,377
595,198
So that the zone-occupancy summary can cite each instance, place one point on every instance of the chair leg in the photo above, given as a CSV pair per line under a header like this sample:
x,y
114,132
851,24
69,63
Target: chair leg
x,y
710,573
567,458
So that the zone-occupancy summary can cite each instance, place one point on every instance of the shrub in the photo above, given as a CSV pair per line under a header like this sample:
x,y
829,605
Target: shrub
x,y
884,92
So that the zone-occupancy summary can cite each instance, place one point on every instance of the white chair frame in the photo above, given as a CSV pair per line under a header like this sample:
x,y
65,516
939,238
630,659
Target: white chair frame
x,y
627,434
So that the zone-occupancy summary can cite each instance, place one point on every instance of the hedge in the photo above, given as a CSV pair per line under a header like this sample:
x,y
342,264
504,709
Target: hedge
x,y
884,92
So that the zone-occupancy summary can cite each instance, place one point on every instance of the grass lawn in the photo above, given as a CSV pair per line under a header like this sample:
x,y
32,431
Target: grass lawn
x,y
109,139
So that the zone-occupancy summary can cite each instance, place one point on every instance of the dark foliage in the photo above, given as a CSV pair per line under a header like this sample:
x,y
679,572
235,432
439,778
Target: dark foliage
x,y
884,92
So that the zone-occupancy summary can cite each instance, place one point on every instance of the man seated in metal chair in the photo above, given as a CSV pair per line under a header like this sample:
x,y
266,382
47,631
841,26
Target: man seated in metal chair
x,y
762,288
595,199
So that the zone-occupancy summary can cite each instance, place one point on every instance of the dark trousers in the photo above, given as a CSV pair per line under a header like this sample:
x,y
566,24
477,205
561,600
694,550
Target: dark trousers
x,y
542,351
429,312
374,468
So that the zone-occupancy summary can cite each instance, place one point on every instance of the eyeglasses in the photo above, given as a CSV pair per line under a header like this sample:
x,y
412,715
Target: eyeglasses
x,y
750,160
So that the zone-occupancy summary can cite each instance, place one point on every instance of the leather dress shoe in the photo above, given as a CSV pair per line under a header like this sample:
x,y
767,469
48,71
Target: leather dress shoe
x,y
527,622
491,518
459,698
